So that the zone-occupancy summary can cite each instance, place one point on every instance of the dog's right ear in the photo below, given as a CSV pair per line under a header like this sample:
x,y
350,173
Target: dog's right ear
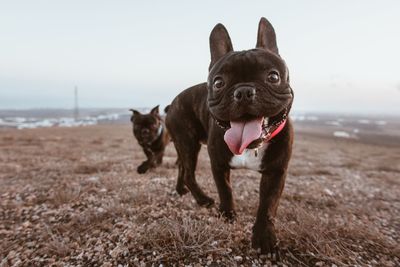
x,y
155,111
220,43
167,108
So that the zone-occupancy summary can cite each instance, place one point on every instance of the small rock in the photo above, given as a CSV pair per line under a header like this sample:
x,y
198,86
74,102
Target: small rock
x,y
328,192
238,258
30,244
101,210
93,179
11,254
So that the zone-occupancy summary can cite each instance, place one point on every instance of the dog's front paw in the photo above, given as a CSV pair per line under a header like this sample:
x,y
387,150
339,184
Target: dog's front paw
x,y
143,168
182,190
229,215
264,238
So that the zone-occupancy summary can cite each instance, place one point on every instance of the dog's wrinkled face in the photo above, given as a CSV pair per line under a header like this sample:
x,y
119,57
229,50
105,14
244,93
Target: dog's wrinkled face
x,y
146,126
249,84
247,90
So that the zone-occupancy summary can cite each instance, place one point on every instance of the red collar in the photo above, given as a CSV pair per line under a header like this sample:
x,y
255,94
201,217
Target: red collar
x,y
276,131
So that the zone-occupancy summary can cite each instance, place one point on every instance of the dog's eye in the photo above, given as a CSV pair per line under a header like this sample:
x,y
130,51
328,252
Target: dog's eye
x,y
218,83
273,77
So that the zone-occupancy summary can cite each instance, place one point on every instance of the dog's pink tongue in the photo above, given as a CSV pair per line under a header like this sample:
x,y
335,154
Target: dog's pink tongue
x,y
241,134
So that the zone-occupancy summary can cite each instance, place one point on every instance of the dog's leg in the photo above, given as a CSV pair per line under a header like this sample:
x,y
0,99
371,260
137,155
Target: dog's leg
x,y
147,164
222,180
188,160
219,158
180,185
159,157
271,186
274,171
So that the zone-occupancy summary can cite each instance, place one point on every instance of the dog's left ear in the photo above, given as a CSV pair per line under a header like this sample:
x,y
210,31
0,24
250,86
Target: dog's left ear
x,y
155,111
220,43
266,38
134,113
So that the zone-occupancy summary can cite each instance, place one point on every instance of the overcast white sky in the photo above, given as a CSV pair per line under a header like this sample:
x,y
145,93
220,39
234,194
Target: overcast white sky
x,y
343,56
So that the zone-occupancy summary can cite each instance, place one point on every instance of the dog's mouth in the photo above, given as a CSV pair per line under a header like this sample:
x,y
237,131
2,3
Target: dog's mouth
x,y
251,133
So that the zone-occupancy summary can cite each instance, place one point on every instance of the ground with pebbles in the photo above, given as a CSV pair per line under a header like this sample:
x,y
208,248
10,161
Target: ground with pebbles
x,y
72,197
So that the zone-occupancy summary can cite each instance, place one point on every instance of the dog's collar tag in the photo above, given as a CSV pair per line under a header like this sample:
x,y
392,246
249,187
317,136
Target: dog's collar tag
x,y
159,130
159,133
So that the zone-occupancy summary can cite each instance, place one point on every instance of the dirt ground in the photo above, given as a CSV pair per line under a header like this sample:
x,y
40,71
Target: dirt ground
x,y
72,197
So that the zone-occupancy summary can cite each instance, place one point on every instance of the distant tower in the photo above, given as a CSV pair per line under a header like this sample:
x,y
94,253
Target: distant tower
x,y
76,109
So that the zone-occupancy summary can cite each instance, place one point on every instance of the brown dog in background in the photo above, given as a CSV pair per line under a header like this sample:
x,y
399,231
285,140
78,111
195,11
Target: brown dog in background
x,y
152,135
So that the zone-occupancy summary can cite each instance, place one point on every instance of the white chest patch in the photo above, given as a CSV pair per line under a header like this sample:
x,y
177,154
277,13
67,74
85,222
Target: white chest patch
x,y
249,159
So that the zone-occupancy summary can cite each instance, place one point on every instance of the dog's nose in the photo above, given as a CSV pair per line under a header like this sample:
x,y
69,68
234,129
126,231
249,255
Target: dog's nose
x,y
244,93
145,131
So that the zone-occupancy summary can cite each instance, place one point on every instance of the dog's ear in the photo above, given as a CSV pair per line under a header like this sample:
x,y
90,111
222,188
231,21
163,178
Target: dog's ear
x,y
155,111
220,43
135,112
266,38
167,108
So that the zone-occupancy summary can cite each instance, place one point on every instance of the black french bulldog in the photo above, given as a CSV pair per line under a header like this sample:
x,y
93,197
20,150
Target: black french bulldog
x,y
241,113
152,135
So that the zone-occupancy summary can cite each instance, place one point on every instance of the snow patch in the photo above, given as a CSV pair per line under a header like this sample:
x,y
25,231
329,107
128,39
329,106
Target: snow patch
x,y
31,123
341,134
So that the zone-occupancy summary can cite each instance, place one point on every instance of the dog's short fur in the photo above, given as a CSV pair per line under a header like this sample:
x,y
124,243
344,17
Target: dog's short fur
x,y
250,85
152,135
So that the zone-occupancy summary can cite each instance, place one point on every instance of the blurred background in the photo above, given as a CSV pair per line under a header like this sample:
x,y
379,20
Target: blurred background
x,y
343,56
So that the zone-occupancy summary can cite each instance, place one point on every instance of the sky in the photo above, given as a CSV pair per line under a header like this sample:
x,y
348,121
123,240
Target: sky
x,y
343,56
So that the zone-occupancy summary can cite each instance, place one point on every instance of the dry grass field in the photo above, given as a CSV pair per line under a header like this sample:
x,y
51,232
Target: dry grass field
x,y
72,197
